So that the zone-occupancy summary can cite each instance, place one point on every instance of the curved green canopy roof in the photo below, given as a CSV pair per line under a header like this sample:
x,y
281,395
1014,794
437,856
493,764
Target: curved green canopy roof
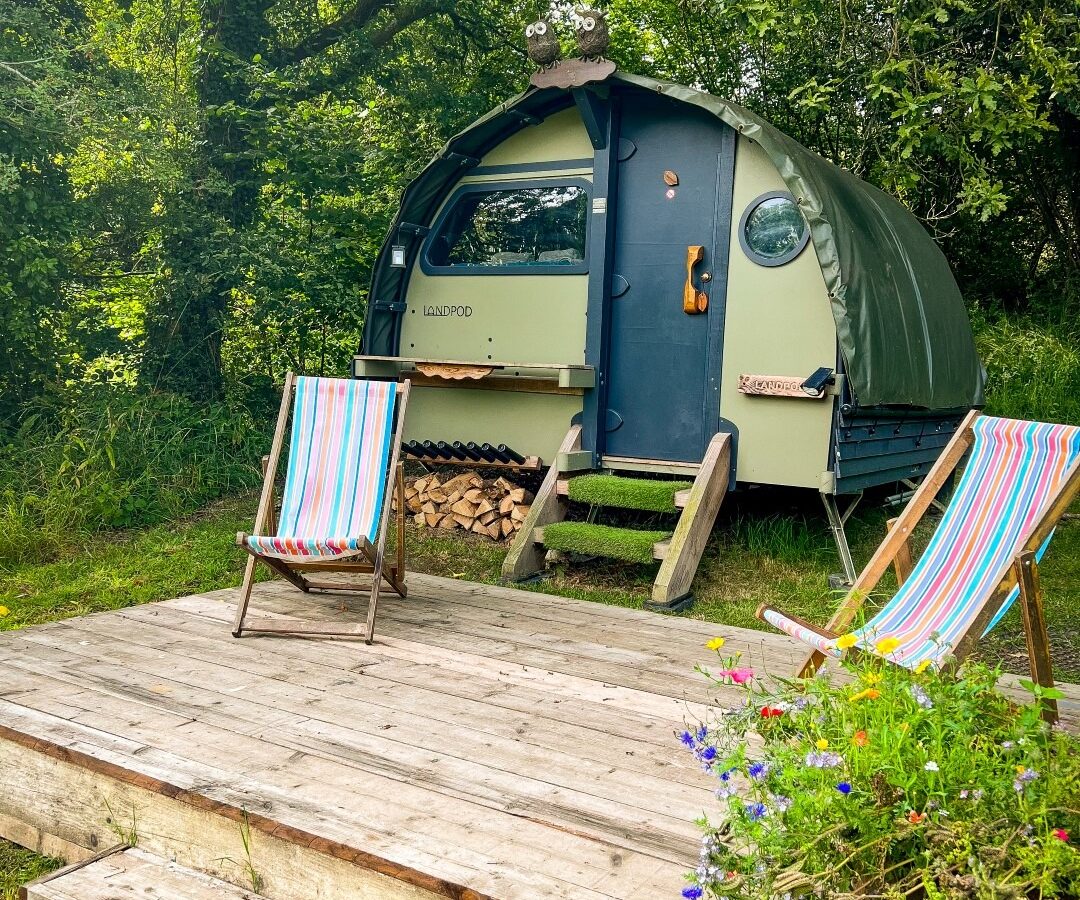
x,y
902,326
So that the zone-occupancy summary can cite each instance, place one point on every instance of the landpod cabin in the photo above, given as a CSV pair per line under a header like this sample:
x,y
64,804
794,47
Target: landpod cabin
x,y
611,274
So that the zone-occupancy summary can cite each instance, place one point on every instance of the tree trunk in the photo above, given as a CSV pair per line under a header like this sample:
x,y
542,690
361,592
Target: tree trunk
x,y
204,231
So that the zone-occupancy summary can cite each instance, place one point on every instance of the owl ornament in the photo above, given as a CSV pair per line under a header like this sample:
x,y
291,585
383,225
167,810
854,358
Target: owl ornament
x,y
542,45
591,31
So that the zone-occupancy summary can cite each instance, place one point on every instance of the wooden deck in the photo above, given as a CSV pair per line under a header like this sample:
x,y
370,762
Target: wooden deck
x,y
491,743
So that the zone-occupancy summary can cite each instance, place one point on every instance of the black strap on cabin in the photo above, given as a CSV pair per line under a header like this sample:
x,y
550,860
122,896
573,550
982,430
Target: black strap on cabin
x,y
461,159
524,117
409,229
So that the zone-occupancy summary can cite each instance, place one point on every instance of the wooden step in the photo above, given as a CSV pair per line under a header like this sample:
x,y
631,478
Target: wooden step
x,y
562,489
659,548
132,874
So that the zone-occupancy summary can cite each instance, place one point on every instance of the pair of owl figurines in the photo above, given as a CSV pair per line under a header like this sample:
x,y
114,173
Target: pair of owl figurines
x,y
590,30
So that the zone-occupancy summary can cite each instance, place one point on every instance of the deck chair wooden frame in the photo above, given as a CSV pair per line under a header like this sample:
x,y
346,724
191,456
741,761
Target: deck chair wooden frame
x,y
370,559
895,551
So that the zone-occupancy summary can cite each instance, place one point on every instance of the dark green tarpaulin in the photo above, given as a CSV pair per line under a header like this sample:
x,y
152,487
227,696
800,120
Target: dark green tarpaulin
x,y
901,322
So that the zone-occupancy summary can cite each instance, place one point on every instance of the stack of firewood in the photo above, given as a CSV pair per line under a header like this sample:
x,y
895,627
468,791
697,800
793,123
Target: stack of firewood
x,y
495,508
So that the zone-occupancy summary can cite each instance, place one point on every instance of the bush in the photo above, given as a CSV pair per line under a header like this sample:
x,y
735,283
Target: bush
x,y
107,457
891,784
1033,370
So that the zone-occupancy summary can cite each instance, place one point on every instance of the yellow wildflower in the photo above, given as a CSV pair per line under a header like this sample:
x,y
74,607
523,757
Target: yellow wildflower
x,y
922,667
822,744
868,694
846,641
715,644
4,611
872,678
887,645
904,726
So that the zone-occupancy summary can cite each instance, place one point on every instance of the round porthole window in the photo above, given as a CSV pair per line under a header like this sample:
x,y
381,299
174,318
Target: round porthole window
x,y
772,230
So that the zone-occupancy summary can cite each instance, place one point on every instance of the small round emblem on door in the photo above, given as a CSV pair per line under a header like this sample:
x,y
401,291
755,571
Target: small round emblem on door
x,y
706,276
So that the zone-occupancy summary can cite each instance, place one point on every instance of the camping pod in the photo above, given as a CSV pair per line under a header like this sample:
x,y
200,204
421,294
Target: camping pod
x,y
661,266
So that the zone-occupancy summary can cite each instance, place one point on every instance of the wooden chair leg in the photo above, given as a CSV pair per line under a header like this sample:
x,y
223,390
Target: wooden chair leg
x,y
1038,642
903,562
245,597
400,573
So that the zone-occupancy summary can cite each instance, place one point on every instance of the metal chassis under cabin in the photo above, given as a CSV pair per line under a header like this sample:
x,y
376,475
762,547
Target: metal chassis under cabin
x,y
544,365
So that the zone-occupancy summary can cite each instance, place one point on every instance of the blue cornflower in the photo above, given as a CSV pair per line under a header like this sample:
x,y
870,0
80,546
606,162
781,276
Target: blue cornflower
x,y
687,738
758,770
702,733
843,787
756,810
707,754
726,774
692,892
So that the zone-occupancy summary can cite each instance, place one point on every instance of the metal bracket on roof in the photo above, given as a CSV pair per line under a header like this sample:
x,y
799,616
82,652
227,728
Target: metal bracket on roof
x,y
526,118
461,159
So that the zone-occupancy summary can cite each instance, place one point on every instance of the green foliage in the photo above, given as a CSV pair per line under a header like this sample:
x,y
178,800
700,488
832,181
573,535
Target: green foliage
x,y
886,783
104,458
626,493
628,544
1033,372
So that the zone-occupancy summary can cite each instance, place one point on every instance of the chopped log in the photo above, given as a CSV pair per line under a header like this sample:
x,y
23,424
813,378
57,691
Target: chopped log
x,y
506,506
484,506
447,521
432,519
429,508
465,508
421,484
506,527
465,522
454,497
474,495
493,531
487,518
503,485
517,495
419,519
519,513
480,529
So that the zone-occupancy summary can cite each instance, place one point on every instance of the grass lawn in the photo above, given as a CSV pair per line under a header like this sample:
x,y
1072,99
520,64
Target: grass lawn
x,y
767,547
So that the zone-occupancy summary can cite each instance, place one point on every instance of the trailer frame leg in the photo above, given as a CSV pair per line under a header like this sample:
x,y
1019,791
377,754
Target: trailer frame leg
x,y
837,521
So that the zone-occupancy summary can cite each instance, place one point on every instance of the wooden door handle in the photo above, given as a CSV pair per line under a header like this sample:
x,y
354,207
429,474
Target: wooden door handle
x,y
694,301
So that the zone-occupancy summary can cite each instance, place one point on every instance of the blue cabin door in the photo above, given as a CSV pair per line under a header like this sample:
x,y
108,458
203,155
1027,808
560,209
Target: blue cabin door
x,y
674,193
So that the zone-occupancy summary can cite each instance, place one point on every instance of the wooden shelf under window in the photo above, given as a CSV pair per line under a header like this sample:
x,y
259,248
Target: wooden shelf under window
x,y
536,378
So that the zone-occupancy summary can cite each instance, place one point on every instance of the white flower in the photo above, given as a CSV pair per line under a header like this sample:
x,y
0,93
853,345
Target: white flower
x,y
931,766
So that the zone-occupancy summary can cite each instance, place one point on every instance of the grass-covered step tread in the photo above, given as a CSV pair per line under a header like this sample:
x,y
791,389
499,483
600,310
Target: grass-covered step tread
x,y
648,494
627,544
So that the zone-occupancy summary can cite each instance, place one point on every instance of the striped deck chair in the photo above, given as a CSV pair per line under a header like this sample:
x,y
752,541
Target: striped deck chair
x,y
1019,479
334,512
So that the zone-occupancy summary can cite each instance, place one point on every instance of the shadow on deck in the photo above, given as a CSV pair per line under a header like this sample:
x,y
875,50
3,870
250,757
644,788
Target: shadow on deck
x,y
492,743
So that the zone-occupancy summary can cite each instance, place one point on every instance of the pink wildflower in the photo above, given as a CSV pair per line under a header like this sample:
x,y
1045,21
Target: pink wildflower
x,y
737,676
1061,834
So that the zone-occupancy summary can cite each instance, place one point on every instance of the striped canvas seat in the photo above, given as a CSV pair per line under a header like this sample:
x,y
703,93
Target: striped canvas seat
x,y
1014,469
342,433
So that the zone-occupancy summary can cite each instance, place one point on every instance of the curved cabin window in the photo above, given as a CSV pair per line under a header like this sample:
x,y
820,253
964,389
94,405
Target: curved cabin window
x,y
508,229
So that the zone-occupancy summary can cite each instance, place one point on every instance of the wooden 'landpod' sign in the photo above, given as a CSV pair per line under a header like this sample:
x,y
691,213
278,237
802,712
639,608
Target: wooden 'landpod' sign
x,y
775,386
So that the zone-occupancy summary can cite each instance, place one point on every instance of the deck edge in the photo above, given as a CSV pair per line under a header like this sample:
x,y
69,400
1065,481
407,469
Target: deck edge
x,y
271,828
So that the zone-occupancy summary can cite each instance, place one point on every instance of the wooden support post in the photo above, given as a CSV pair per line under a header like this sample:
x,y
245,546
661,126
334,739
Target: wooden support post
x,y
1038,642
695,525
902,562
526,557
399,573
266,501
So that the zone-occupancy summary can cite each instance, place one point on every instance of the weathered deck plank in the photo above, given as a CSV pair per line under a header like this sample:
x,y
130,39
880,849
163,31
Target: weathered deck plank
x,y
493,742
